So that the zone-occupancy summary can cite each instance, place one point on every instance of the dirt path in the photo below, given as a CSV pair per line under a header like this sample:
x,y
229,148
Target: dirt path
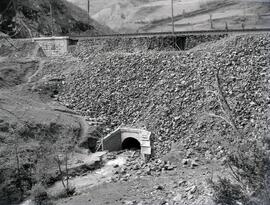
x,y
40,67
84,126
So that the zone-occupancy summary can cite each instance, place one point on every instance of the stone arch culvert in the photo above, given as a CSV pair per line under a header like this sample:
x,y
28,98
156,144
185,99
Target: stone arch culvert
x,y
128,138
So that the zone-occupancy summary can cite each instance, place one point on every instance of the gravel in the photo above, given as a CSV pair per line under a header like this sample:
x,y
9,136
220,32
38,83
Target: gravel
x,y
174,94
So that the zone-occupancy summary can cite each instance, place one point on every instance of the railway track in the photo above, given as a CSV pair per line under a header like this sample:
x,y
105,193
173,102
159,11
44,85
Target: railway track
x,y
177,33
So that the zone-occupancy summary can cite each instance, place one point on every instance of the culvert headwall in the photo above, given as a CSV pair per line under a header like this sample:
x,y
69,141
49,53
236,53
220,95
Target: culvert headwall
x,y
128,138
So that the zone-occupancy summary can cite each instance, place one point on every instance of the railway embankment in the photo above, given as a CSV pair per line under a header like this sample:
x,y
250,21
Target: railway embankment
x,y
140,44
175,95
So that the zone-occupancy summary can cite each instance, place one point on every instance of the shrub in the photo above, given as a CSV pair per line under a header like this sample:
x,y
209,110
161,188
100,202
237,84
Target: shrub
x,y
65,192
226,193
40,195
250,169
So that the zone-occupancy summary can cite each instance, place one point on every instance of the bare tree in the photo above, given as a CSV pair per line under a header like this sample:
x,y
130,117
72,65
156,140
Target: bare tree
x,y
227,112
64,175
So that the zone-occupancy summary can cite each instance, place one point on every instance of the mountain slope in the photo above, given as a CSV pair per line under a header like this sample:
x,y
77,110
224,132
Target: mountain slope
x,y
155,15
28,18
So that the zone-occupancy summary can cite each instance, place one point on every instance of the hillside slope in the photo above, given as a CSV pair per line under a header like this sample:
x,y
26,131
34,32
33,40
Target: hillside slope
x,y
29,119
155,15
28,18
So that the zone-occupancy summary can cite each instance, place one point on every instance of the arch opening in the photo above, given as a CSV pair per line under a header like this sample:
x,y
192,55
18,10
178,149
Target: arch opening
x,y
131,144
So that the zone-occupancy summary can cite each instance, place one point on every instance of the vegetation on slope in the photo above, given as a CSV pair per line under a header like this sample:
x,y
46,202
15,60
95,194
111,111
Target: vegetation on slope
x,y
28,18
32,132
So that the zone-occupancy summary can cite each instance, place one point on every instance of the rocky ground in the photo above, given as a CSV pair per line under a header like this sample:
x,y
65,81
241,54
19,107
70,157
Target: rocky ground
x,y
124,178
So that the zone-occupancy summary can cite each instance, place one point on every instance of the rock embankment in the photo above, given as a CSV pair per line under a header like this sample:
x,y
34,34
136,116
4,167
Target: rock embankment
x,y
88,47
206,99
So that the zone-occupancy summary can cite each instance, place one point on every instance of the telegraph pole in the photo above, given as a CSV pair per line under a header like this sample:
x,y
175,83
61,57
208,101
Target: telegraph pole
x,y
51,13
88,9
172,17
15,6
15,10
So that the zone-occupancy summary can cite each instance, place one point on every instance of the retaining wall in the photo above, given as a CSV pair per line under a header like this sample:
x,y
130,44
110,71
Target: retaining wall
x,y
136,44
53,46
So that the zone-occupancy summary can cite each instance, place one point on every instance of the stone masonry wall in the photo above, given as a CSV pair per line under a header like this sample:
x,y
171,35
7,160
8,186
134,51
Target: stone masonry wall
x,y
192,41
125,44
53,46
136,44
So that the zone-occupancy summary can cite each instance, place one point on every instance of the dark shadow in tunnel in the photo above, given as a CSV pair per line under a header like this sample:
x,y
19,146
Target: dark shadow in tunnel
x,y
131,144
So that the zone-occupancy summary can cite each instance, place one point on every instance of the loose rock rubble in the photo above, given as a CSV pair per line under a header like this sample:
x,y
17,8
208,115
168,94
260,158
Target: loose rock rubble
x,y
136,167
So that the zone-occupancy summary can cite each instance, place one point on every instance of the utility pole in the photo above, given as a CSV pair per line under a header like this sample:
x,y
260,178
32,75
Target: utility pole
x,y
172,18
211,21
245,16
245,10
15,10
88,9
15,7
51,13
